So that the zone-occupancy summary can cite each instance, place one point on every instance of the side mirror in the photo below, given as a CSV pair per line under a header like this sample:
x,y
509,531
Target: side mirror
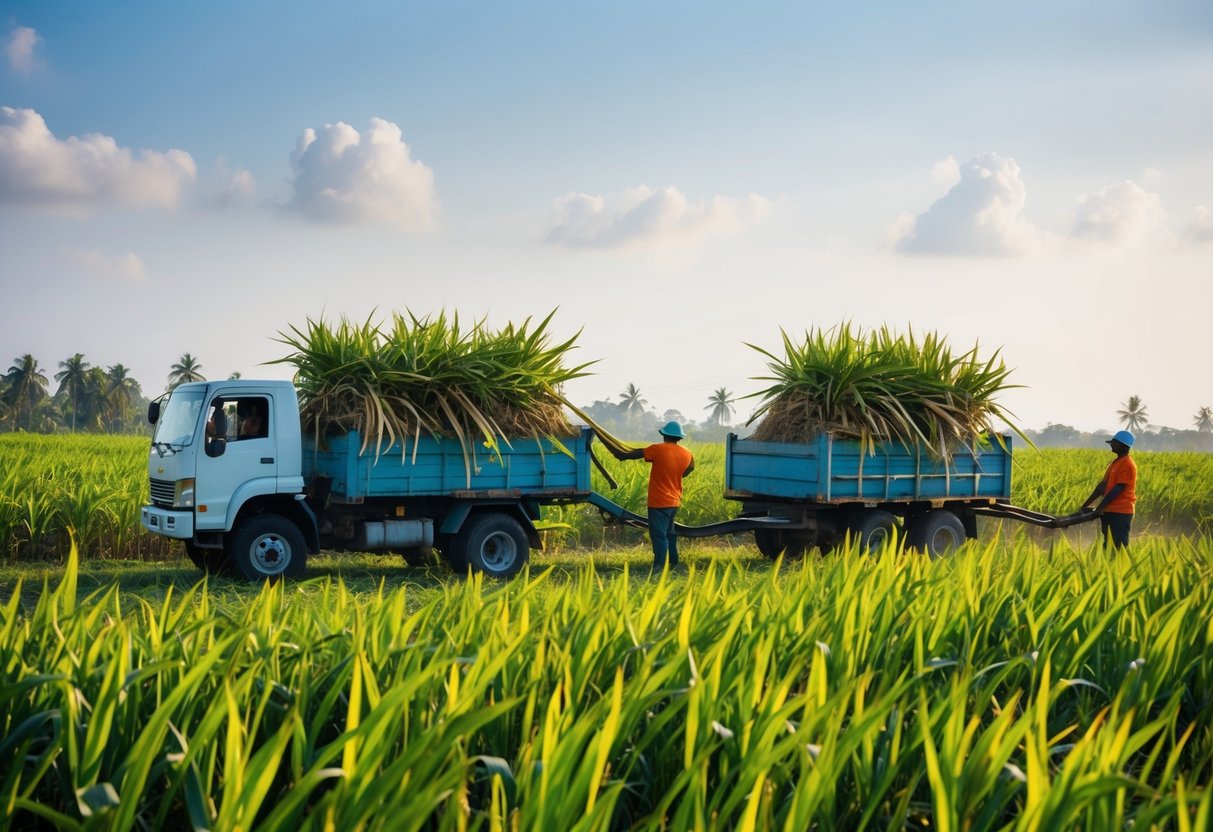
x,y
153,412
220,422
216,447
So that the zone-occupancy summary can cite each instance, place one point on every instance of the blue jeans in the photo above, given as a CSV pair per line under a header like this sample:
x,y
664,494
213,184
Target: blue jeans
x,y
664,536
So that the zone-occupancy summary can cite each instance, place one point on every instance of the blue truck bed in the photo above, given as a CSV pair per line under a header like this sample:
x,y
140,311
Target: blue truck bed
x,y
829,470
527,467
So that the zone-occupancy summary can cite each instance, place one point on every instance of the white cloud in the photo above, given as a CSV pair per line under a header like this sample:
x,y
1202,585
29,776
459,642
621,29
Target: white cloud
x,y
979,215
1200,230
344,176
19,50
126,267
946,171
1120,213
234,187
37,169
648,216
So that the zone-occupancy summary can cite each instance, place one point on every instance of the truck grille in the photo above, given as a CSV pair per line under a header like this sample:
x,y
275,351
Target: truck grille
x,y
162,492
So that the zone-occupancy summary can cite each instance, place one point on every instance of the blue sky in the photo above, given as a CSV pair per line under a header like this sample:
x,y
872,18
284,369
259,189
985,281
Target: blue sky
x,y
677,178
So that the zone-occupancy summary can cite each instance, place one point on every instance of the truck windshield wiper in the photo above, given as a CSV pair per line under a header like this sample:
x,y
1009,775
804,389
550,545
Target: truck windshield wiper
x,y
164,448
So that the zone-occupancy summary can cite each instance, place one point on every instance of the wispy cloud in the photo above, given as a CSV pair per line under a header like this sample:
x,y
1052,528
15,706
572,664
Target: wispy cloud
x,y
644,216
20,50
342,176
980,215
39,170
126,267
1200,229
231,187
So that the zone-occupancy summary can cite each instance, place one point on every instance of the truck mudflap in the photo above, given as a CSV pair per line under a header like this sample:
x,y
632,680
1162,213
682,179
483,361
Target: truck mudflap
x,y
734,526
178,524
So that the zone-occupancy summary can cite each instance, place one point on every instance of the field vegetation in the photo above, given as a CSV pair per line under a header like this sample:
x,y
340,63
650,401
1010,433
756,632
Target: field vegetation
x,y
53,487
1009,686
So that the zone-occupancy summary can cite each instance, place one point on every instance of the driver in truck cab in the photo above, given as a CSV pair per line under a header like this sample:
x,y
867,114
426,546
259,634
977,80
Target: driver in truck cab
x,y
251,421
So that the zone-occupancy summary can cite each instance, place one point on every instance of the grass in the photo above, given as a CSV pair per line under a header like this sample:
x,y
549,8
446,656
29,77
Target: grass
x,y
1011,686
54,487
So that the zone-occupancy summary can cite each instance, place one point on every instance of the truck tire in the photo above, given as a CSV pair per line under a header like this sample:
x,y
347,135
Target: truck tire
x,y
937,533
773,543
871,528
212,561
268,547
493,543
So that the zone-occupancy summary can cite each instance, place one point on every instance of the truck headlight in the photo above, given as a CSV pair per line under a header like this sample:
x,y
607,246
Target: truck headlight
x,y
183,494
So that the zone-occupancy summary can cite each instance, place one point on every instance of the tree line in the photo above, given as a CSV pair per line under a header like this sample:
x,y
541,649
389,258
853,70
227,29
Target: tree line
x,y
88,398
101,399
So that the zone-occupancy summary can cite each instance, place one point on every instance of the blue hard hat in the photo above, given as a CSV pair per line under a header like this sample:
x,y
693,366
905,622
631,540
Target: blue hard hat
x,y
1123,437
672,429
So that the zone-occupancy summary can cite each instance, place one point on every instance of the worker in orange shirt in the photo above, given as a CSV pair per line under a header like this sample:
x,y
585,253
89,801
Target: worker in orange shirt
x,y
671,462
1118,488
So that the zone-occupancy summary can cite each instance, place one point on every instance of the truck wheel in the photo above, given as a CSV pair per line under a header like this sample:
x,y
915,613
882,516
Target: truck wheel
x,y
268,546
871,528
494,544
213,561
937,533
773,543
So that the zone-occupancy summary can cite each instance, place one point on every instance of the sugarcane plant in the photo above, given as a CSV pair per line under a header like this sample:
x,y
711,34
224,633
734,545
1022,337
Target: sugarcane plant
x,y
430,375
881,385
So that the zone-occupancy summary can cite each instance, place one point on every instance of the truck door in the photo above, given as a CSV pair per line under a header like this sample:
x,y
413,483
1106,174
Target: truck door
x,y
248,464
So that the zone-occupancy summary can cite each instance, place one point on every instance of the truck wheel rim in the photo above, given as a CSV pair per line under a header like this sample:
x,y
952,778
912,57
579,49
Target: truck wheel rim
x,y
498,551
942,542
270,554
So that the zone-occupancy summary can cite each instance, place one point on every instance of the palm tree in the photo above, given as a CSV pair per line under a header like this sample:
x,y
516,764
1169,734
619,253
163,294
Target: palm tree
x,y
26,384
186,369
721,405
72,375
120,390
1204,420
632,401
1134,416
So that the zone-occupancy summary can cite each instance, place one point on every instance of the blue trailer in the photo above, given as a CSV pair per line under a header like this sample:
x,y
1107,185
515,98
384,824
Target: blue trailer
x,y
829,488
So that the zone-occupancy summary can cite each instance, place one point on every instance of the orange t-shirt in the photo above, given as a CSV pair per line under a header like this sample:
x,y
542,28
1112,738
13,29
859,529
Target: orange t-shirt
x,y
1123,469
669,460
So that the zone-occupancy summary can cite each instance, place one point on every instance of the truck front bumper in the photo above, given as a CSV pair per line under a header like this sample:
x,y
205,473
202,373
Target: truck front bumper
x,y
167,522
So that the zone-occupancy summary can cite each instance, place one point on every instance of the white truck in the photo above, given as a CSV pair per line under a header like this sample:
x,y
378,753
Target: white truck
x,y
254,497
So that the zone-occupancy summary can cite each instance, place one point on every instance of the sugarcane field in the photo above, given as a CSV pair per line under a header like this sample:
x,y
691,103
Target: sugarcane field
x,y
775,677
626,417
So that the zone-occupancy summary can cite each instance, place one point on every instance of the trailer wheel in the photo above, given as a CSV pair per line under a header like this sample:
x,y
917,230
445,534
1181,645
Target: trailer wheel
x,y
494,544
937,533
773,543
213,561
871,528
268,546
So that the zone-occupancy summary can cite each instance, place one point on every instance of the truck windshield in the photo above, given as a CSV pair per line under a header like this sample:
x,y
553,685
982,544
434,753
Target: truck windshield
x,y
178,418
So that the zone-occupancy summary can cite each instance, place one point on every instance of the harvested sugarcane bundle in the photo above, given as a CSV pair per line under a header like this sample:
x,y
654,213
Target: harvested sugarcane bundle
x,y
879,386
430,375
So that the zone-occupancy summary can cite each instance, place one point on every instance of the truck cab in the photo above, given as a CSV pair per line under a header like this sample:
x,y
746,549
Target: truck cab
x,y
225,474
